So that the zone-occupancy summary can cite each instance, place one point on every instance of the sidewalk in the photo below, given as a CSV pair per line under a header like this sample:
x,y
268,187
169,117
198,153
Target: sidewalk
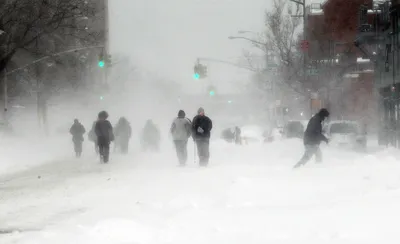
x,y
21,153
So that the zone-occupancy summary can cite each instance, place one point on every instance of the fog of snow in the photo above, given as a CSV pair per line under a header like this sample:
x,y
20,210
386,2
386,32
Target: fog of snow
x,y
248,194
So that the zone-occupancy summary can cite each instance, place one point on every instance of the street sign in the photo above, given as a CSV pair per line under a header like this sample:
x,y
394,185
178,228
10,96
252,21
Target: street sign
x,y
304,45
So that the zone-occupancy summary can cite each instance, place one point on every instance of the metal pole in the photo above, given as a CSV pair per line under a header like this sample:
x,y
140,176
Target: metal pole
x,y
5,94
305,38
106,38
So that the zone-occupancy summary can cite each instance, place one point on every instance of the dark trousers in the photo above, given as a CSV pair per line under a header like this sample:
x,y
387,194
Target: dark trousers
x,y
181,151
203,150
104,149
78,147
310,150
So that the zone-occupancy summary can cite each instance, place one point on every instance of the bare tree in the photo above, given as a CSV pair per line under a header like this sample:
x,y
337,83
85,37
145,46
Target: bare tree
x,y
280,45
36,28
39,26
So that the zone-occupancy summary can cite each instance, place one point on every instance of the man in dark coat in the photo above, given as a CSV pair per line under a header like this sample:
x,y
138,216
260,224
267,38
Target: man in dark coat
x,y
105,135
181,129
313,137
123,132
77,130
201,131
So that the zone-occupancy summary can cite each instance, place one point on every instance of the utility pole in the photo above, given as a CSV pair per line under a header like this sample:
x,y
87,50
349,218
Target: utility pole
x,y
303,3
5,88
106,38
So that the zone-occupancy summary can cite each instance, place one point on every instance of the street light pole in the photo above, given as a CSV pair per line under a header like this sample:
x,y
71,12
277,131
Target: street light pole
x,y
303,3
106,38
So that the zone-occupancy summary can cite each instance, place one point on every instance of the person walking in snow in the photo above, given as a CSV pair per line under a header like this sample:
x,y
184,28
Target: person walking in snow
x,y
181,130
313,137
150,137
105,135
77,130
238,136
123,132
201,131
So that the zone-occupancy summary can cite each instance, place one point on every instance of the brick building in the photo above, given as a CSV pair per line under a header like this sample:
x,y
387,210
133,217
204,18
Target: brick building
x,y
345,77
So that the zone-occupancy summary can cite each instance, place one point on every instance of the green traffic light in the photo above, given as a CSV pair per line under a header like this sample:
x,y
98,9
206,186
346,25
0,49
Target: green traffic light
x,y
101,64
212,93
196,76
101,98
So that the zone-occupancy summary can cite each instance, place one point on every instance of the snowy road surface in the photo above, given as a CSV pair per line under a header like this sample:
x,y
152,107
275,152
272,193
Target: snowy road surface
x,y
249,194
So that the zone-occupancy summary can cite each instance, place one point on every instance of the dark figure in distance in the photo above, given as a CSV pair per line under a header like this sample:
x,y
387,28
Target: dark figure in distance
x,y
77,130
150,137
238,136
181,130
93,138
123,132
313,137
228,135
105,136
201,130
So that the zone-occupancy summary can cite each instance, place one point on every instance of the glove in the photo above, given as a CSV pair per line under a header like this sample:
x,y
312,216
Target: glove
x,y
200,130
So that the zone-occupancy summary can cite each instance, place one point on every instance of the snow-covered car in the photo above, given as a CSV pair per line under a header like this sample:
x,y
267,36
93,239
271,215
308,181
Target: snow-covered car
x,y
294,129
252,134
345,134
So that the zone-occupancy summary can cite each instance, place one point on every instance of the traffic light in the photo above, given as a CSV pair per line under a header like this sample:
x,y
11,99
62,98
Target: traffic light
x,y
101,62
104,60
211,91
200,71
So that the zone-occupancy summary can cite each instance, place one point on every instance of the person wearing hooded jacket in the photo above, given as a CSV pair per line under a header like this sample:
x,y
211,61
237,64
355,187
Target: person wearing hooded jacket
x,y
104,133
313,137
77,130
201,131
150,137
123,132
181,130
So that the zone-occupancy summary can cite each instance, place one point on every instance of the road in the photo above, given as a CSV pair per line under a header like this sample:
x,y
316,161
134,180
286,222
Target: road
x,y
249,194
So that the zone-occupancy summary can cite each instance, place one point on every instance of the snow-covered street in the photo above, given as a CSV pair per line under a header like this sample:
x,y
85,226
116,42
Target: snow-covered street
x,y
249,194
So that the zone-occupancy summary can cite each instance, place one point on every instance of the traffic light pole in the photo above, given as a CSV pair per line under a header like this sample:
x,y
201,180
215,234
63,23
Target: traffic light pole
x,y
106,39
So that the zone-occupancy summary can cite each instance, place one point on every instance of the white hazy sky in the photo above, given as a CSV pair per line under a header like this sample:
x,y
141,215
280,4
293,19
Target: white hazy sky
x,y
167,36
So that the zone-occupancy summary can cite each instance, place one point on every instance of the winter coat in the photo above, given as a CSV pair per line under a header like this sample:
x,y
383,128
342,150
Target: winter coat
x,y
151,134
104,131
123,131
313,134
201,127
77,130
181,129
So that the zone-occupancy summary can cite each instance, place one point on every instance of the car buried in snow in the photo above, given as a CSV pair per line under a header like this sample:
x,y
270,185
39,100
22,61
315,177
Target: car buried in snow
x,y
346,134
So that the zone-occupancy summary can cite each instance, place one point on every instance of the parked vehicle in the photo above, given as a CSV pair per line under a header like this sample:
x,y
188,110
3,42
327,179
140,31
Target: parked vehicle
x,y
344,133
294,129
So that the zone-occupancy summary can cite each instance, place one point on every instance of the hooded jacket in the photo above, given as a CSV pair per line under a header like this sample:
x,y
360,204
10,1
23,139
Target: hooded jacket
x,y
313,134
77,130
181,127
104,131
